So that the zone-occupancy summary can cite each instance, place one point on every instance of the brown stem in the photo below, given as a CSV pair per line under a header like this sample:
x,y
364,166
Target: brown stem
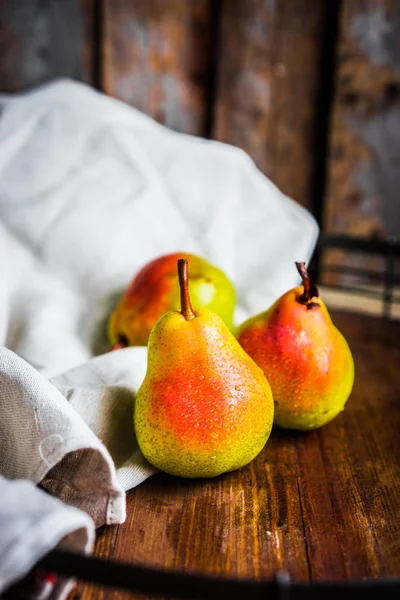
x,y
310,289
186,307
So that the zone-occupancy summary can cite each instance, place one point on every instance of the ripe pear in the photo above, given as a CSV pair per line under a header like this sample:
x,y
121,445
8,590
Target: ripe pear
x,y
305,358
204,407
155,290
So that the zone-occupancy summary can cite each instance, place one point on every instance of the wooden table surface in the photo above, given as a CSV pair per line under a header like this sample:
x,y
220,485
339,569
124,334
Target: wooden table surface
x,y
323,505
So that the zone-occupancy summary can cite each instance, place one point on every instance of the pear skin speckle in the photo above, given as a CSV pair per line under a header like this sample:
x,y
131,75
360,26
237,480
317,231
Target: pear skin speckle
x,y
204,407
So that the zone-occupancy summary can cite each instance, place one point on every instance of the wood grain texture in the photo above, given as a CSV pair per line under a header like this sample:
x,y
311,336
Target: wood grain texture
x,y
323,505
40,41
364,151
157,58
268,77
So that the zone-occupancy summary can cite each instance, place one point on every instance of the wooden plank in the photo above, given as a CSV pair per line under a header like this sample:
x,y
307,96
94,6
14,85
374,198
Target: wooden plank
x,y
323,505
246,523
361,452
268,76
157,58
364,152
43,40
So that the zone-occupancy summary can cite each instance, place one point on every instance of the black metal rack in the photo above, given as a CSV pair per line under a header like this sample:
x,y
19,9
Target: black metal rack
x,y
144,580
388,250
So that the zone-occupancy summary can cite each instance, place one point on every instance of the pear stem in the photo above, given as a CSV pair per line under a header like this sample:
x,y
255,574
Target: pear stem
x,y
310,289
186,306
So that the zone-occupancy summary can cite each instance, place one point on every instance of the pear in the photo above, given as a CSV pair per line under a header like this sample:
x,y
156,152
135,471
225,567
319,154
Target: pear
x,y
155,290
204,407
305,358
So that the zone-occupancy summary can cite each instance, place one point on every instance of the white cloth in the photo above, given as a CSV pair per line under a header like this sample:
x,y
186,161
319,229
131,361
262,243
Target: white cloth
x,y
90,190
53,438
31,524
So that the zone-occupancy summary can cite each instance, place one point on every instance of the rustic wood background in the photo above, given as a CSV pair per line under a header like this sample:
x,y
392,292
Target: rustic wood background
x,y
309,88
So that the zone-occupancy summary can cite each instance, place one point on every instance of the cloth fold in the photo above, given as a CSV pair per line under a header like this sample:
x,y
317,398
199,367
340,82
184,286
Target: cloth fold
x,y
43,439
31,524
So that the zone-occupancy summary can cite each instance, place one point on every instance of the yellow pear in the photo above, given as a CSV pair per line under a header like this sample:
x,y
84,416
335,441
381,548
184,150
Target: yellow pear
x,y
204,407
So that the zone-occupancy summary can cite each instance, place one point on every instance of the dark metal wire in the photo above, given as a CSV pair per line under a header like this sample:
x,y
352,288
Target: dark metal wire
x,y
146,580
388,250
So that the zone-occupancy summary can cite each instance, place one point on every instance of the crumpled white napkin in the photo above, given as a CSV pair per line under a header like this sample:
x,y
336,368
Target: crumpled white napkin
x,y
31,524
90,190
53,437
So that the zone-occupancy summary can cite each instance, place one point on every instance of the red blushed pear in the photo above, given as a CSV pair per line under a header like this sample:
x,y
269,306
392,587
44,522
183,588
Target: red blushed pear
x,y
304,356
155,290
204,407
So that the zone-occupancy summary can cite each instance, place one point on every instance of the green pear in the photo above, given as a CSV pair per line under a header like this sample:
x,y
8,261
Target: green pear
x,y
155,290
